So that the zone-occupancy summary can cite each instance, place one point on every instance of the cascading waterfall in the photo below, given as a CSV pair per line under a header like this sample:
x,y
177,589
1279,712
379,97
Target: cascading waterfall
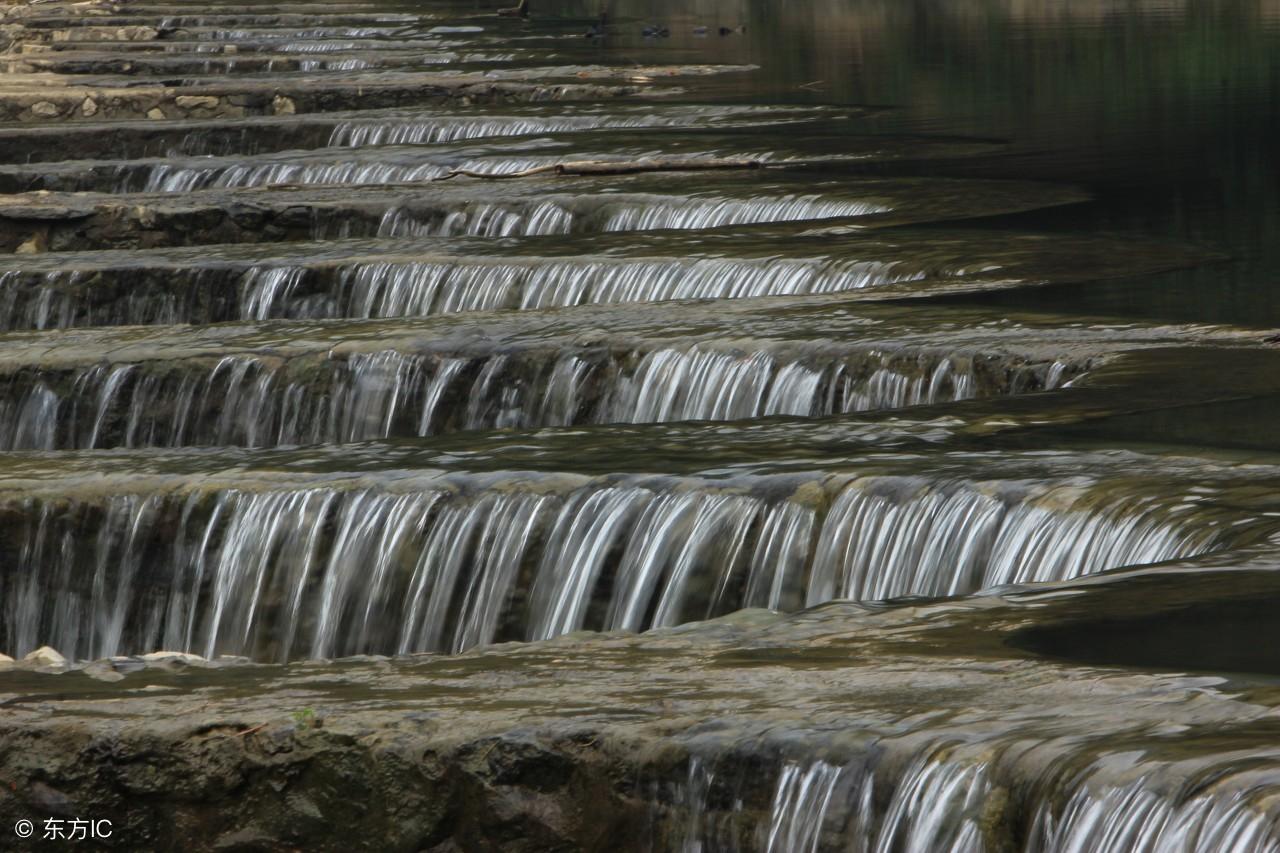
x,y
172,178
460,561
70,298
258,401
355,63
63,299
360,133
419,288
232,36
397,288
326,46
930,801
1231,806
942,793
601,213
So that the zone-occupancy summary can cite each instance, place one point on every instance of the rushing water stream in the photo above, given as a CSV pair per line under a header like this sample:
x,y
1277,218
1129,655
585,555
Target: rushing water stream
x,y
387,329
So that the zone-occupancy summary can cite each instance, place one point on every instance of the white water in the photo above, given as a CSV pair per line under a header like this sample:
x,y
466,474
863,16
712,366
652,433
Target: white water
x,y
1141,808
602,213
257,402
172,179
232,36
359,133
323,571
400,288
64,299
939,795
409,288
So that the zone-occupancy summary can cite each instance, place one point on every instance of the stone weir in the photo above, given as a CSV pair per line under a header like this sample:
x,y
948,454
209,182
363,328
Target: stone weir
x,y
401,278
51,98
51,142
206,63
286,557
751,732
439,339
535,206
356,156
355,382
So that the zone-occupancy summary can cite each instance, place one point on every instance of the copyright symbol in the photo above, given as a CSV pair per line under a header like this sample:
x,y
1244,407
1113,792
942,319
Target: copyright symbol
x,y
24,828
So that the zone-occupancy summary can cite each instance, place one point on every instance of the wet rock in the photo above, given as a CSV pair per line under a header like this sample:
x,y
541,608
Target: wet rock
x,y
185,657
44,656
35,244
283,106
155,113
557,746
102,671
50,800
89,108
45,109
196,102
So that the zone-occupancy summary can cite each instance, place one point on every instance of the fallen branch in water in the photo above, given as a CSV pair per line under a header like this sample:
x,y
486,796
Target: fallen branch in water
x,y
609,167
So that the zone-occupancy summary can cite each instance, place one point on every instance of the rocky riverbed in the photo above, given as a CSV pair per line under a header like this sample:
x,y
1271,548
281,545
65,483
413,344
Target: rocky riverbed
x,y
729,733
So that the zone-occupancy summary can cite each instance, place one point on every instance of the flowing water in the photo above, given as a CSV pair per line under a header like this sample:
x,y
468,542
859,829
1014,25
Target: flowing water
x,y
337,331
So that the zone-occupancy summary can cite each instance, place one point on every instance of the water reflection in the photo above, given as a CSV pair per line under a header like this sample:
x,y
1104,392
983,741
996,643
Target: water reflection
x,y
1168,111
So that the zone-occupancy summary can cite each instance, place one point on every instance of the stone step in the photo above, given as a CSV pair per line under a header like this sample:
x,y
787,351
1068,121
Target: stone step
x,y
369,127
390,278
50,98
540,205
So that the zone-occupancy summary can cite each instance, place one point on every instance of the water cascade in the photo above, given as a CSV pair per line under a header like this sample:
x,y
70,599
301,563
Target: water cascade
x,y
443,128
946,792
727,487
182,178
258,401
456,562
602,213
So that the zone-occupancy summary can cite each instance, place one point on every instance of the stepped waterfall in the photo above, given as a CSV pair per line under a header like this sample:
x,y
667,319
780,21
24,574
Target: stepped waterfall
x,y
675,428
324,572
260,401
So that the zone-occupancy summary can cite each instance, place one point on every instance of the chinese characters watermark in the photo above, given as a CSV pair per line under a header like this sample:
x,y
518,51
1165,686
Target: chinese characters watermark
x,y
64,829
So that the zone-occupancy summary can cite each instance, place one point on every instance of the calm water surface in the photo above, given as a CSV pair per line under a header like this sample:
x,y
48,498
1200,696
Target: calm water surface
x,y
1168,112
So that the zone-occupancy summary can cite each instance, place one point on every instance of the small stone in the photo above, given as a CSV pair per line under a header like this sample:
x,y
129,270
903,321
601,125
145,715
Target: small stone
x,y
146,218
89,107
45,656
196,102
102,671
137,33
185,657
33,245
45,109
155,113
50,800
282,106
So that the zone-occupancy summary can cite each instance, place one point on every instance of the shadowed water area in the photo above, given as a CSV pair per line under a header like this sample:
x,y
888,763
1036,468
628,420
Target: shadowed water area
x,y
841,425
